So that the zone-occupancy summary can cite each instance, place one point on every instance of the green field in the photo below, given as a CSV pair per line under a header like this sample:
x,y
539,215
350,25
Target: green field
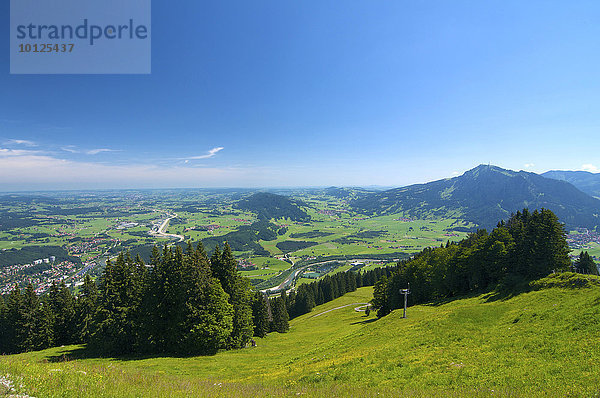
x,y
267,266
95,226
540,343
592,248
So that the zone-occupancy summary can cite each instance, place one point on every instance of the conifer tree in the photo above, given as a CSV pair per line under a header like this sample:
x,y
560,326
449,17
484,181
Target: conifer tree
x,y
305,302
224,268
155,256
117,317
44,334
280,321
26,329
85,308
240,296
260,315
290,301
163,307
14,315
63,307
3,325
585,264
380,297
208,315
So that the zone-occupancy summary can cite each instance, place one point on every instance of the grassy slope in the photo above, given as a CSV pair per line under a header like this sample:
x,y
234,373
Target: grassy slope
x,y
544,342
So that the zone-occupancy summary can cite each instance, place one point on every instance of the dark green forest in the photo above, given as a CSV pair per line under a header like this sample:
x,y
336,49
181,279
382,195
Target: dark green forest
x,y
526,247
183,303
268,205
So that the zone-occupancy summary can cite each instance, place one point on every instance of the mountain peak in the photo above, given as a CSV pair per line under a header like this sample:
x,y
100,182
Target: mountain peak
x,y
486,194
487,169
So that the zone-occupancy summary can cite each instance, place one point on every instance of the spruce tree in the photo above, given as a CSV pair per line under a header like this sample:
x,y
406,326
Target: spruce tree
x,y
305,302
290,301
224,268
117,317
208,315
585,264
280,321
3,325
44,334
85,308
260,315
14,315
26,331
63,307
163,308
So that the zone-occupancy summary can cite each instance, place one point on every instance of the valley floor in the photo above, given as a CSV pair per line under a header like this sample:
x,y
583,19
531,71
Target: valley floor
x,y
541,343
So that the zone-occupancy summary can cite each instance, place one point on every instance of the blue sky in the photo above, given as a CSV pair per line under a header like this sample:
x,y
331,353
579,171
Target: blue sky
x,y
315,93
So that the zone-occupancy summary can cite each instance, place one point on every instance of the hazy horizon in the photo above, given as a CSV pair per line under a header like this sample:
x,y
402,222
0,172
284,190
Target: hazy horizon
x,y
251,188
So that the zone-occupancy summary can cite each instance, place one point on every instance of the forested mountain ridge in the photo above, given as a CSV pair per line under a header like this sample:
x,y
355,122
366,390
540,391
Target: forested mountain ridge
x,y
269,205
486,194
583,180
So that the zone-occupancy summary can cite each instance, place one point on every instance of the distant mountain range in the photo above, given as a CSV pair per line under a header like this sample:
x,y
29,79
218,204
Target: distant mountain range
x,y
584,180
485,195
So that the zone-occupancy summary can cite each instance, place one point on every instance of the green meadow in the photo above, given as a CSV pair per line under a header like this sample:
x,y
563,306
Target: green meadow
x,y
544,342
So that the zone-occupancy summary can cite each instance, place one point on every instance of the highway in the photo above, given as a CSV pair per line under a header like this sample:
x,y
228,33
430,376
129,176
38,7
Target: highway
x,y
163,227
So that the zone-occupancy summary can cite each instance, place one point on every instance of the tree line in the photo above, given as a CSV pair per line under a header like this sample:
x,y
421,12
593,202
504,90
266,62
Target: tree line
x,y
183,303
273,315
528,246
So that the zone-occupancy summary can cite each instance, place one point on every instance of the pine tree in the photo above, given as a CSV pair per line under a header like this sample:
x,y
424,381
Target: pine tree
x,y
380,297
280,321
63,307
208,320
117,317
85,308
305,302
26,331
290,301
260,315
3,325
14,315
185,311
359,279
163,308
585,264
208,315
44,334
224,268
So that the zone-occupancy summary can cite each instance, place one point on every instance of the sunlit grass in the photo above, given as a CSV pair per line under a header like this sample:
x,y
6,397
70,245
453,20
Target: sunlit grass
x,y
541,343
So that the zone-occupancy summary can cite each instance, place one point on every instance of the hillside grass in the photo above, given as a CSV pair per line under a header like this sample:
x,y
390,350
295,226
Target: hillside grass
x,y
545,342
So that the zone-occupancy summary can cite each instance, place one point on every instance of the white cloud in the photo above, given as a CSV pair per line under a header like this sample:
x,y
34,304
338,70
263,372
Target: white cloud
x,y
591,168
529,165
27,170
73,149
20,142
210,154
99,150
6,152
